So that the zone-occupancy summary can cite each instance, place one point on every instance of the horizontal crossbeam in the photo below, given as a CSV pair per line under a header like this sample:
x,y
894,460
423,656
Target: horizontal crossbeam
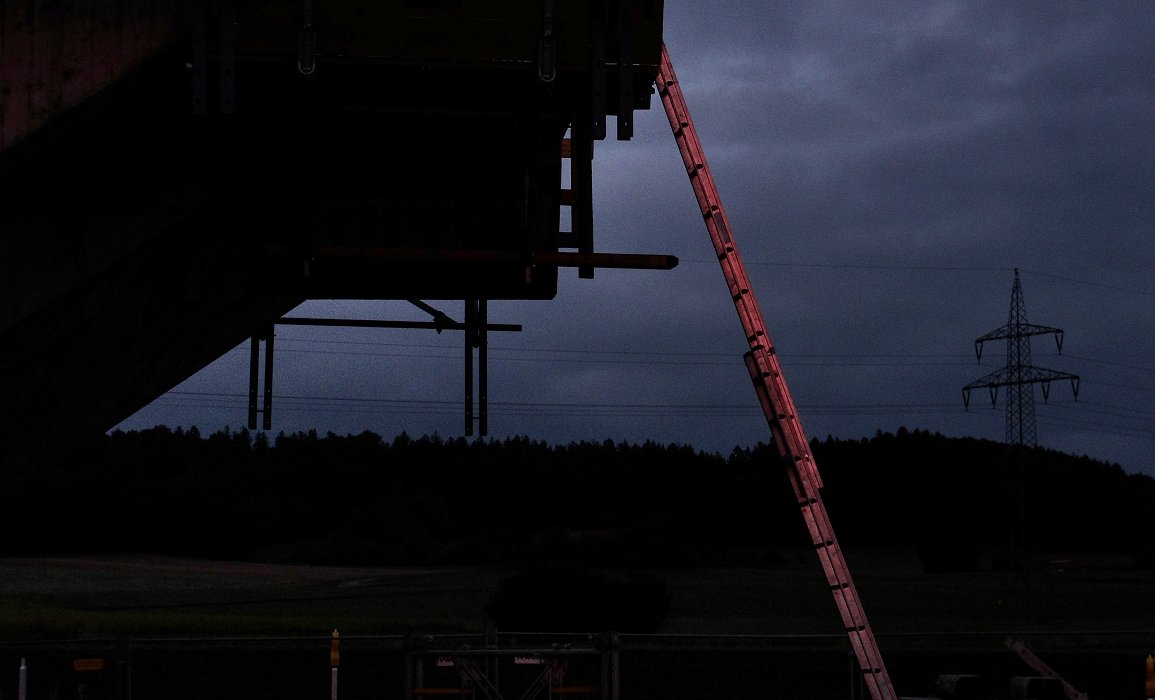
x,y
366,323
632,261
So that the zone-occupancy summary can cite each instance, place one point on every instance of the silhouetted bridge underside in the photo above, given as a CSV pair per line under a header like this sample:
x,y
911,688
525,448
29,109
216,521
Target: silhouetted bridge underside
x,y
178,175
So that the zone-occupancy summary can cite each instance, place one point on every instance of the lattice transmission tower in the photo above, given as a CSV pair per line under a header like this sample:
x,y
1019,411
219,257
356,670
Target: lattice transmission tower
x,y
1019,376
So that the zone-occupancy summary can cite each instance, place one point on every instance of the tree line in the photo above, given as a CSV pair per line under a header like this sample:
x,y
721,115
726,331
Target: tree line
x,y
366,500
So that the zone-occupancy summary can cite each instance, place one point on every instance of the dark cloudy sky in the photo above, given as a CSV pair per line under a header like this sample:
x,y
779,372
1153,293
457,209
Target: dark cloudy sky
x,y
885,168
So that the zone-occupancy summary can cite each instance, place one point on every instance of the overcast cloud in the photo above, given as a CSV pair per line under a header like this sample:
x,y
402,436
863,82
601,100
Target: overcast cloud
x,y
884,168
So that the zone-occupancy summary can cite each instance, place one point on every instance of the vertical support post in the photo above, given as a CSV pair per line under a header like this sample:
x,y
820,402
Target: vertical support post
x,y
581,182
254,384
22,687
410,660
598,23
334,662
543,186
266,410
267,417
614,643
483,367
476,324
625,72
470,318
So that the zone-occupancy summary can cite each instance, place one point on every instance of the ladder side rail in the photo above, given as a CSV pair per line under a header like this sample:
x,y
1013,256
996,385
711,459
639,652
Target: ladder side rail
x,y
775,398
773,394
741,291
807,485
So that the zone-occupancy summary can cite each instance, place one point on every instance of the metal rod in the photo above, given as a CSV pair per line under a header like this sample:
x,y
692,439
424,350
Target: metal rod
x,y
633,261
365,323
510,651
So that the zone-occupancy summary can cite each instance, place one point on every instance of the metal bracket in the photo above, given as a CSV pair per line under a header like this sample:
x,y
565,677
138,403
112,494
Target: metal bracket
x,y
440,320
475,325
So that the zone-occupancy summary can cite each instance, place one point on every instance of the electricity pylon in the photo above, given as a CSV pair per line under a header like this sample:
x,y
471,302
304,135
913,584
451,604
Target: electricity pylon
x,y
1019,375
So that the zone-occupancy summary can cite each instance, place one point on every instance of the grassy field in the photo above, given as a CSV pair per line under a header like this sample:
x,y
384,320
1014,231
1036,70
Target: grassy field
x,y
148,596
195,629
115,596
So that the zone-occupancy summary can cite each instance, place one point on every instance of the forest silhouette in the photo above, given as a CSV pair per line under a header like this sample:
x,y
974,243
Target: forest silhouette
x,y
360,499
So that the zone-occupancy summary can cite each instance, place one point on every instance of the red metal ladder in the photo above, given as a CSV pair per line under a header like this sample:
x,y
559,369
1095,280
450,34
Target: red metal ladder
x,y
769,384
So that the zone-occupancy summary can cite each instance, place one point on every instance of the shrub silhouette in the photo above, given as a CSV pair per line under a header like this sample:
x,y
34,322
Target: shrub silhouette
x,y
569,598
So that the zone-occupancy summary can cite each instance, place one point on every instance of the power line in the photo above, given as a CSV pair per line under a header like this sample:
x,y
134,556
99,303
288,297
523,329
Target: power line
x,y
302,402
702,359
1109,363
859,266
696,359
297,403
890,267
1089,283
577,356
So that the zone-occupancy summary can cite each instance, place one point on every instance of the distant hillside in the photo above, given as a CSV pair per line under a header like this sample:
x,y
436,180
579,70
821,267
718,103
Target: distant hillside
x,y
361,499
985,497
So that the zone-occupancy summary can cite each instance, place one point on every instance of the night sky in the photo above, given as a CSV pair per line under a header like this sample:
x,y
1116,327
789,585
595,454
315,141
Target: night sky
x,y
885,169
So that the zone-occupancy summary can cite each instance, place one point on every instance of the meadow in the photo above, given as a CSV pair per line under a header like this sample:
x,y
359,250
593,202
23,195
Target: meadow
x,y
69,597
194,623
